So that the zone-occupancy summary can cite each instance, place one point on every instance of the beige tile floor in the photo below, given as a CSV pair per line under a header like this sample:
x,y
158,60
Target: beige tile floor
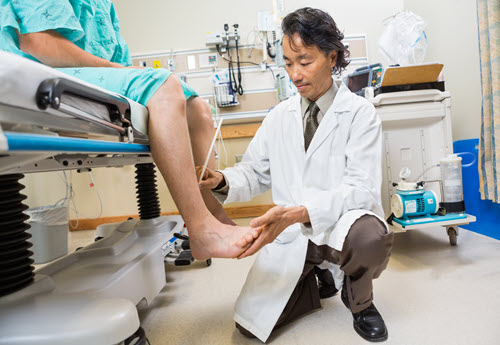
x,y
431,293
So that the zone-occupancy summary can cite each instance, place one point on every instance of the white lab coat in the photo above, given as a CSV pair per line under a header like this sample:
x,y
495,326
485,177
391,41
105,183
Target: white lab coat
x,y
338,180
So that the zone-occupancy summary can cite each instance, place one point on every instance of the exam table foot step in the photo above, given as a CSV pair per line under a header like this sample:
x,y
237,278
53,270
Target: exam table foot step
x,y
185,258
186,248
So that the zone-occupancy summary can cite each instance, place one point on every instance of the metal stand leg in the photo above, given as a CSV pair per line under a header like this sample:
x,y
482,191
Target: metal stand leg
x,y
147,194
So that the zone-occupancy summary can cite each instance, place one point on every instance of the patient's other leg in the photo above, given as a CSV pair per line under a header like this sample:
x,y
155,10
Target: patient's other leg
x,y
201,130
171,150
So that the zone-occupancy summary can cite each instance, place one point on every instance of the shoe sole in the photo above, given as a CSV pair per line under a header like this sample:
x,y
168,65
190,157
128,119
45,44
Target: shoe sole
x,y
374,340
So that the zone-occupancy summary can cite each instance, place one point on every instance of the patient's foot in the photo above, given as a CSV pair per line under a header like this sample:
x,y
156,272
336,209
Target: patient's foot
x,y
224,219
220,240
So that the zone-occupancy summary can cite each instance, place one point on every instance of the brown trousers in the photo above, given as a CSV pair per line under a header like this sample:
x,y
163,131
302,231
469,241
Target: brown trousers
x,y
364,257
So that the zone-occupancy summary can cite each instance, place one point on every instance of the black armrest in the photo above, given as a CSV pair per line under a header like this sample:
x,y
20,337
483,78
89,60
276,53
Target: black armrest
x,y
50,91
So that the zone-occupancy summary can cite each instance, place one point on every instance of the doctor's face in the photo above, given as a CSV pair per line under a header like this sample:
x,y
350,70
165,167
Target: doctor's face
x,y
308,67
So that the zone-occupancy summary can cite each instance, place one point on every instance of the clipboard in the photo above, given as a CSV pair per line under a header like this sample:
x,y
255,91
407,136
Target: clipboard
x,y
411,74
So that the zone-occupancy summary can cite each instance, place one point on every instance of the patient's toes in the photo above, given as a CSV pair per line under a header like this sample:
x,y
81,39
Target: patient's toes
x,y
242,242
249,237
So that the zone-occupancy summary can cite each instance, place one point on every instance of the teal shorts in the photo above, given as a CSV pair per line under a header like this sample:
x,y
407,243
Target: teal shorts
x,y
137,84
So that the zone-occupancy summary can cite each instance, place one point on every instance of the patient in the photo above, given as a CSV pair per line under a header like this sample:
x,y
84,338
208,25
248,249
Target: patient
x,y
82,38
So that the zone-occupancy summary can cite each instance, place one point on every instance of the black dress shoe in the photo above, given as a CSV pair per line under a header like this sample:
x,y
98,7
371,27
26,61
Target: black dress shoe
x,y
368,323
326,284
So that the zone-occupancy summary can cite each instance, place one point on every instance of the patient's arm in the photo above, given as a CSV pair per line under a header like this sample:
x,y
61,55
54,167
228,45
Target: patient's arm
x,y
52,49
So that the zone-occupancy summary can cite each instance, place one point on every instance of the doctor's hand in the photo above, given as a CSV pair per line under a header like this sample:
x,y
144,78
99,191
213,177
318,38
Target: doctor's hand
x,y
211,179
270,225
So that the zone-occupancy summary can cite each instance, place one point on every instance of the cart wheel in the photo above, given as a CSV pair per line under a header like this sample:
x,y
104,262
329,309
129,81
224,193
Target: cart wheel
x,y
209,262
452,234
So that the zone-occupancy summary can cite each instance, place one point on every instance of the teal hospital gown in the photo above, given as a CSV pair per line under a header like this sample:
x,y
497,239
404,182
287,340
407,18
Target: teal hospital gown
x,y
92,25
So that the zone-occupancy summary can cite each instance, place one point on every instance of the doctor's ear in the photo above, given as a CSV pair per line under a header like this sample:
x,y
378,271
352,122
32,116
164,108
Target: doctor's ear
x,y
332,57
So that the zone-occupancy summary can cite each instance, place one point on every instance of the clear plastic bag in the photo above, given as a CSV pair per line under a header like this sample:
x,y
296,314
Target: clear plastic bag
x,y
49,215
404,42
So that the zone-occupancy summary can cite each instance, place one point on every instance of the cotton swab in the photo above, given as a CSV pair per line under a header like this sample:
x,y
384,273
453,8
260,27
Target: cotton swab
x,y
211,149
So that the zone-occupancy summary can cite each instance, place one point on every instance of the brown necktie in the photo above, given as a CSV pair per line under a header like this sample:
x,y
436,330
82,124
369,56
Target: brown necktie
x,y
311,124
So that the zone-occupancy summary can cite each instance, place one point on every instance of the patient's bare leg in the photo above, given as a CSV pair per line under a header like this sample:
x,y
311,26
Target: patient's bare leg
x,y
201,130
171,150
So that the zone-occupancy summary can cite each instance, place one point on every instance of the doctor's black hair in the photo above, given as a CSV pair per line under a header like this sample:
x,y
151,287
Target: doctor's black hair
x,y
316,27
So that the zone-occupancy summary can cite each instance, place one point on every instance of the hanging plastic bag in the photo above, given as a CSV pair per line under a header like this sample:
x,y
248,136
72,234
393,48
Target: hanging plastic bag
x,y
404,42
49,215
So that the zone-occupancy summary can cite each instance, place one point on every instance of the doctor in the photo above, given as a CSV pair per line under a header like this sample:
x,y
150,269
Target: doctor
x,y
320,151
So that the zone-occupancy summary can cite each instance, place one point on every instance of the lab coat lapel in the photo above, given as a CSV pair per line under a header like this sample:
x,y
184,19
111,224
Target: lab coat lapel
x,y
295,111
297,130
330,120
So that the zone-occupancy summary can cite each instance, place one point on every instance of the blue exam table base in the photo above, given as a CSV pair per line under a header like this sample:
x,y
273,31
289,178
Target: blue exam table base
x,y
90,296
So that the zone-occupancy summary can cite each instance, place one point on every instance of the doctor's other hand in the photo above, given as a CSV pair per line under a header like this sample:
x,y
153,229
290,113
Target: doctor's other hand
x,y
211,179
270,225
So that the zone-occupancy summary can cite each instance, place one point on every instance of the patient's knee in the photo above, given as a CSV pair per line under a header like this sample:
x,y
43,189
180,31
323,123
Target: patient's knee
x,y
199,113
170,94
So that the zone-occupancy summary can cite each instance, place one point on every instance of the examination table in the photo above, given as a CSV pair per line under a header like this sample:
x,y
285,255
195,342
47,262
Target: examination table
x,y
50,121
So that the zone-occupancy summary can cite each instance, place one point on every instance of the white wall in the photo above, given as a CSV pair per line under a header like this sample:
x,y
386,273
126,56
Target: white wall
x,y
452,33
157,25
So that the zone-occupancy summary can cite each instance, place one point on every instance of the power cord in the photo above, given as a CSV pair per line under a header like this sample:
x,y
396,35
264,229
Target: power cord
x,y
69,198
225,59
235,84
240,87
269,68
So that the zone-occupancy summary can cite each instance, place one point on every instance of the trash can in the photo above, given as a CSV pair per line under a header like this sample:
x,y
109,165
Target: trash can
x,y
49,230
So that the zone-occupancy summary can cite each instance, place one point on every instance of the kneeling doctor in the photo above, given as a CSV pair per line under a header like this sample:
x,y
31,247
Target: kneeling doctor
x,y
320,152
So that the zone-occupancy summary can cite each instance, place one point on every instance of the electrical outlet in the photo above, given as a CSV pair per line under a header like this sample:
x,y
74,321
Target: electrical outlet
x,y
207,60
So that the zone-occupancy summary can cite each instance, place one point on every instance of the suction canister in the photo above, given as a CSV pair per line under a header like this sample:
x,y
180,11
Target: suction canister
x,y
451,175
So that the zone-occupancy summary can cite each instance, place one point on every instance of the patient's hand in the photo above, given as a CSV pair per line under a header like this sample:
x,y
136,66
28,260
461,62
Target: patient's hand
x,y
211,179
